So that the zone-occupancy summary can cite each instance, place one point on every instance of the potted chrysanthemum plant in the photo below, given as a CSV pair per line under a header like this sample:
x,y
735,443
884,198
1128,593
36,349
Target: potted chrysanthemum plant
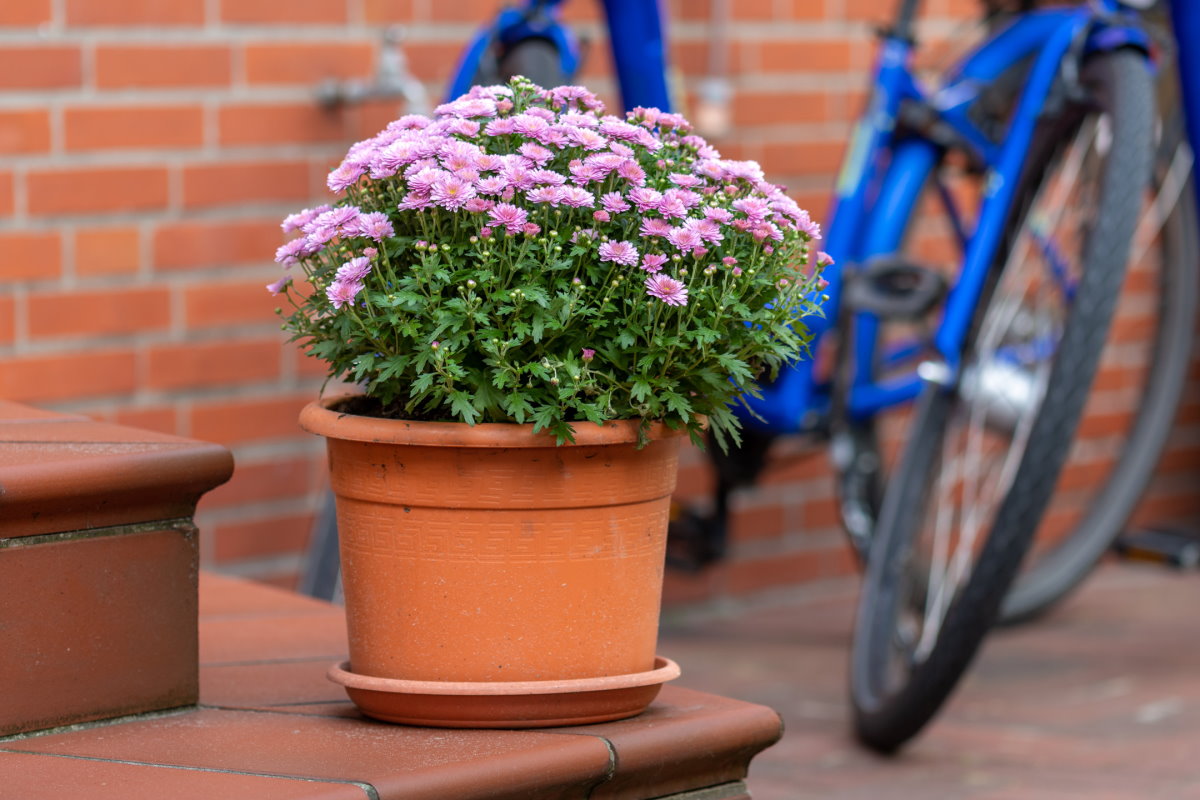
x,y
536,300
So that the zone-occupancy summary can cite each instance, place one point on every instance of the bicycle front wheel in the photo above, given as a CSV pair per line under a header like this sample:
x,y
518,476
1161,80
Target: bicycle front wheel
x,y
985,449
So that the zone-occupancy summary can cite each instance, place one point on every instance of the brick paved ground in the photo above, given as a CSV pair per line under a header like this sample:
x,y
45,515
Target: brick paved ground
x,y
1100,700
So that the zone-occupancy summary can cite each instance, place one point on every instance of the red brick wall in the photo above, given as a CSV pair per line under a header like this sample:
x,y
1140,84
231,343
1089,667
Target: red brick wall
x,y
148,151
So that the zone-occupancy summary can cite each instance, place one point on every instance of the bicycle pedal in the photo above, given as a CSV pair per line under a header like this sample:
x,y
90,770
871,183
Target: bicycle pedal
x,y
895,289
1171,548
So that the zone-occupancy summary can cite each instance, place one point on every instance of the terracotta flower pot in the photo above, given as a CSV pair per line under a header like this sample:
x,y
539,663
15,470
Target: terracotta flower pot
x,y
488,555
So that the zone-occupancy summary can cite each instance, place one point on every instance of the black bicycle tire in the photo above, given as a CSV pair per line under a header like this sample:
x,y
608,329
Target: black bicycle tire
x,y
1042,585
884,723
536,59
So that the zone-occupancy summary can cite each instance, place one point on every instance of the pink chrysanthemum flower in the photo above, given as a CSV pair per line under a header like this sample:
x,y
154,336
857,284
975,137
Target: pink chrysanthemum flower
x,y
667,289
646,115
535,153
474,107
508,216
645,199
492,185
587,354
755,208
614,203
600,215
278,286
290,253
708,230
342,293
294,222
631,171
500,127
553,195
653,226
579,120
415,201
374,225
576,197
684,239
409,122
344,176
529,125
672,207
617,129
334,218
451,192
477,205
354,270
487,162
463,127
531,228
569,95
583,174
586,138
518,175
554,136
423,180
685,180
767,231
718,214
620,252
653,262
318,237
621,150
459,155
548,177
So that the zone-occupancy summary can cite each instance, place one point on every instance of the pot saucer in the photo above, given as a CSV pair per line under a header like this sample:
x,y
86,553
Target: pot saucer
x,y
505,704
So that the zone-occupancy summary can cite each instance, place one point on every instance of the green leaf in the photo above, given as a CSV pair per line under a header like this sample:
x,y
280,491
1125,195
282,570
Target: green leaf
x,y
460,404
678,404
641,390
516,404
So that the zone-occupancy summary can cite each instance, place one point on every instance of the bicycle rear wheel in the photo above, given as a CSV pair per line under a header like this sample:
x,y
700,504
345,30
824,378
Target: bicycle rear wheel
x,y
984,451
1132,410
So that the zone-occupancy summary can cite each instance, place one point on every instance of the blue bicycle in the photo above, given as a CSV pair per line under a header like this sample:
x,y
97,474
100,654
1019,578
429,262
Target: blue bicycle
x,y
987,365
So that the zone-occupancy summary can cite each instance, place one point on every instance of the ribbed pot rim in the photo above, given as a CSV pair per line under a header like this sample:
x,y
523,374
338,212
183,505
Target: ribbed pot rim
x,y
318,418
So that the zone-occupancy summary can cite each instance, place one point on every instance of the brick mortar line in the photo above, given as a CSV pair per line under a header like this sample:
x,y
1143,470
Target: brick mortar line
x,y
181,525
417,33
96,344
307,502
259,95
257,567
134,158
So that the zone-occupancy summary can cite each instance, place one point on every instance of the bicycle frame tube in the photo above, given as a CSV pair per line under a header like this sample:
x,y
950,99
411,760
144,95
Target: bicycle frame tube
x,y
794,401
1050,34
635,29
1185,21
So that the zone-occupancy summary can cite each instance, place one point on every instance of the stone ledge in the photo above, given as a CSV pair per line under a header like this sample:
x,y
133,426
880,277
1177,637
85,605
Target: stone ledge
x,y
63,473
98,567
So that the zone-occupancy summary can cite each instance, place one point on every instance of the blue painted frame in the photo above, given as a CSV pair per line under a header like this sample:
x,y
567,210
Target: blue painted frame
x,y
882,177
